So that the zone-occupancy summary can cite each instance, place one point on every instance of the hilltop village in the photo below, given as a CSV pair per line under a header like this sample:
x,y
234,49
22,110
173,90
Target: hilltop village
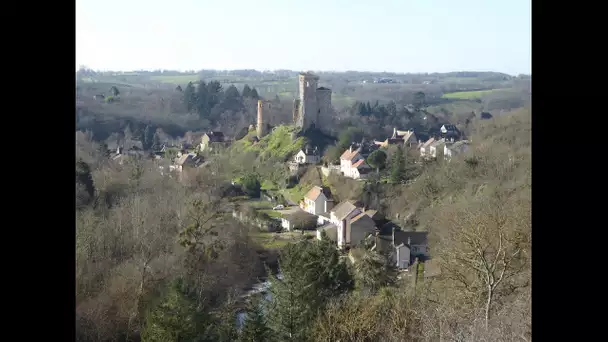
x,y
244,210
348,223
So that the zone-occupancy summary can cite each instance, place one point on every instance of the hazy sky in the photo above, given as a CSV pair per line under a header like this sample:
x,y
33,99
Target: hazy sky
x,y
371,35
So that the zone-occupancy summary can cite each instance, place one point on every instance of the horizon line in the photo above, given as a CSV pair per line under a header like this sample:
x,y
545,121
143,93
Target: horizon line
x,y
190,71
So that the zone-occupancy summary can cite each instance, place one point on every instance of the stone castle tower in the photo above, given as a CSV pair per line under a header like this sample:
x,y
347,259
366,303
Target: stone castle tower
x,y
314,103
262,123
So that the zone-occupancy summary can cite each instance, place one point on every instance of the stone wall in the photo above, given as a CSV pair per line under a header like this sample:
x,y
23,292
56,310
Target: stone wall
x,y
308,99
324,107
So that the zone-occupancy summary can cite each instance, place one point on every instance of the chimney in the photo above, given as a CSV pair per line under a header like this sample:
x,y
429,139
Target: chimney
x,y
394,132
409,241
393,236
350,149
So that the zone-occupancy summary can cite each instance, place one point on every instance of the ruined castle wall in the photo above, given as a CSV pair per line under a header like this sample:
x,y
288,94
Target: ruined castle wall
x,y
308,100
261,123
325,111
297,118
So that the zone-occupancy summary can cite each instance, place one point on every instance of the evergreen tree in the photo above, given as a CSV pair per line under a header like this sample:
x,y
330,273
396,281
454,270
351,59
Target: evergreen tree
x,y
398,166
179,88
287,309
246,91
312,274
251,185
177,318
189,97
148,137
232,99
202,100
361,109
368,108
373,271
84,177
377,159
254,327
215,92
419,100
391,108
254,94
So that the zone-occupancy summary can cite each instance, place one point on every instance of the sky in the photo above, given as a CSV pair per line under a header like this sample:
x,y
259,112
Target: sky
x,y
408,36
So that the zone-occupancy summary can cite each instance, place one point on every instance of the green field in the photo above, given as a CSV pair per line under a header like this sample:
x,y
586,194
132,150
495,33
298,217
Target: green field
x,y
278,240
176,79
470,95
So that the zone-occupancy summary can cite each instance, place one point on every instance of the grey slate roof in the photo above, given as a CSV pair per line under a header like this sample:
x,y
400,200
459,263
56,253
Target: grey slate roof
x,y
344,209
328,226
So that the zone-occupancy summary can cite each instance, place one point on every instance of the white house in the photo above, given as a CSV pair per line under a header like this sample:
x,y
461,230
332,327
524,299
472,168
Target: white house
x,y
436,148
352,224
307,156
425,148
458,147
317,201
360,170
353,165
348,158
299,220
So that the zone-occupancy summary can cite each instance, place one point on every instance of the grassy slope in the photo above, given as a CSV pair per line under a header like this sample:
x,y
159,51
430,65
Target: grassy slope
x,y
275,145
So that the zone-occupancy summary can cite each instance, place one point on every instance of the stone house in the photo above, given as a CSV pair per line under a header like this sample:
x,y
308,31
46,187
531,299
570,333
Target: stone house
x,y
403,247
317,201
351,222
209,138
307,156
189,160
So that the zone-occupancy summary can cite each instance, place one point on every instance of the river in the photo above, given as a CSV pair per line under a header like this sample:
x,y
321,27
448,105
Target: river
x,y
260,288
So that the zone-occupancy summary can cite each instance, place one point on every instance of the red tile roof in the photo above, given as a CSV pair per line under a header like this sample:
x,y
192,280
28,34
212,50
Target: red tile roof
x,y
349,155
359,163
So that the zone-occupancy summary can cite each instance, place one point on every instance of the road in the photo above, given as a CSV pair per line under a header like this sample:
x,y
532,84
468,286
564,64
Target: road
x,y
289,210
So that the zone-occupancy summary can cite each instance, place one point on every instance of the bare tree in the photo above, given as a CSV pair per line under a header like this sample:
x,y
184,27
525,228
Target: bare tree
x,y
484,246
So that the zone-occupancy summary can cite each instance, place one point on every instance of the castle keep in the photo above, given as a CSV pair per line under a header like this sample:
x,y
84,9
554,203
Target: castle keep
x,y
313,103
309,110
